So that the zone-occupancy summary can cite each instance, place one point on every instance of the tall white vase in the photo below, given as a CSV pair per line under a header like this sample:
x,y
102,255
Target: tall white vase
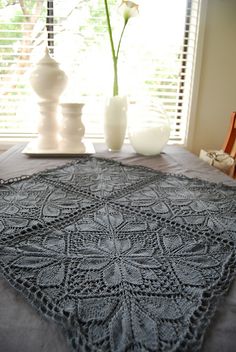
x,y
115,122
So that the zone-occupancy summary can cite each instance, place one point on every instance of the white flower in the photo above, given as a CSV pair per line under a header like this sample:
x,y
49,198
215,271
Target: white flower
x,y
128,9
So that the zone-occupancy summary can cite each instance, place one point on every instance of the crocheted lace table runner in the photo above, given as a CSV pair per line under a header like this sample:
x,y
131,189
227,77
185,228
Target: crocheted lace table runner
x,y
124,258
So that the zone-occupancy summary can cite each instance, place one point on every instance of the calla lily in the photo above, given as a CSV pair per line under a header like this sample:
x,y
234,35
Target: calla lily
x,y
128,9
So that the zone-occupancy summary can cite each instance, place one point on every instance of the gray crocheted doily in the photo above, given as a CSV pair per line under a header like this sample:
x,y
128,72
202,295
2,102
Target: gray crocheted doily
x,y
124,258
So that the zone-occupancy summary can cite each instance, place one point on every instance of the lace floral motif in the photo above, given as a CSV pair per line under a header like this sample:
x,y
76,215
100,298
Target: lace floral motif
x,y
119,260
124,258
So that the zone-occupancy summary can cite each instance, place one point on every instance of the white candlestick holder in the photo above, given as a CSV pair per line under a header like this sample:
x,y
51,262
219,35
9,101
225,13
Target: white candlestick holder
x,y
71,129
48,81
47,125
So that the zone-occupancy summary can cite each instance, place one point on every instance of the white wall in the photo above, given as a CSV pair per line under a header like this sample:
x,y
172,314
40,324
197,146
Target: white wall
x,y
217,84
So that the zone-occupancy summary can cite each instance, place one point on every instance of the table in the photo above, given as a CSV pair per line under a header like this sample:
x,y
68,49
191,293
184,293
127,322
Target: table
x,y
22,329
173,159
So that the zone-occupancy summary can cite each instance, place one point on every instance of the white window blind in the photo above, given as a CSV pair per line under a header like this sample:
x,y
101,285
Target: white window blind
x,y
156,57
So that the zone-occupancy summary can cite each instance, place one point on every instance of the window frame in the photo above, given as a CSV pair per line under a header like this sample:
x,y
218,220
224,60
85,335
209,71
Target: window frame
x,y
9,139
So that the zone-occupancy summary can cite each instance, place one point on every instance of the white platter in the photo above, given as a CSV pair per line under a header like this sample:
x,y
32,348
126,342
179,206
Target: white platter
x,y
32,149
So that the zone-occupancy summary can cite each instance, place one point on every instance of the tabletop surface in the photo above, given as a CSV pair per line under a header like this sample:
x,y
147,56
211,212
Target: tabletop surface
x,y
173,158
29,329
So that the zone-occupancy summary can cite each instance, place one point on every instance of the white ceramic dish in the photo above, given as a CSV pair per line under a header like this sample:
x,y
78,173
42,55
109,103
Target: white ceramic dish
x,y
32,150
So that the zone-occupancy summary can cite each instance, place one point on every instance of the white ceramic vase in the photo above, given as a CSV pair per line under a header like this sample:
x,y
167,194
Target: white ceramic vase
x,y
149,130
71,130
47,79
115,122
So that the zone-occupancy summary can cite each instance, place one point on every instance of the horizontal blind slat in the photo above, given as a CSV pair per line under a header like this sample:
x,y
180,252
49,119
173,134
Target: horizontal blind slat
x,y
163,71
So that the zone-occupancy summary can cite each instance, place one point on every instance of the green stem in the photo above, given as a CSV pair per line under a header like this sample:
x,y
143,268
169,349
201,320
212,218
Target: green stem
x,y
115,85
121,36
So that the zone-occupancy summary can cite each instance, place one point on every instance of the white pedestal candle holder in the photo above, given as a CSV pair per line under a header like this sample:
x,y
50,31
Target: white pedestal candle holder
x,y
47,125
71,129
48,81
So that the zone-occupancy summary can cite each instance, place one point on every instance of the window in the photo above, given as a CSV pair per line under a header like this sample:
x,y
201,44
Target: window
x,y
156,58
